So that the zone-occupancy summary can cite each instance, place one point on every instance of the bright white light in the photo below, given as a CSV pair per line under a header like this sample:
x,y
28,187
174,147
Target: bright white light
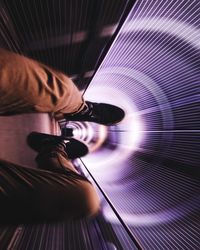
x,y
128,131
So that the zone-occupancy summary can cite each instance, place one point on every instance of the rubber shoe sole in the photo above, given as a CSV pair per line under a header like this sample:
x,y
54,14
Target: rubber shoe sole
x,y
101,113
74,148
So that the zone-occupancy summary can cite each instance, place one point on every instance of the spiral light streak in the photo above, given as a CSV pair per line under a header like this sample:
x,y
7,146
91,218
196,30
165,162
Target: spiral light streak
x,y
152,70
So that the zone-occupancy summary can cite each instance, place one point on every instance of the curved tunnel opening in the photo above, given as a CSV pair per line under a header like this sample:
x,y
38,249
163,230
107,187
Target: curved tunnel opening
x,y
148,164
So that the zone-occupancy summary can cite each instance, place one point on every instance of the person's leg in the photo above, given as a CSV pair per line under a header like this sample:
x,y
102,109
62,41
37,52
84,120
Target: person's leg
x,y
83,197
28,86
56,193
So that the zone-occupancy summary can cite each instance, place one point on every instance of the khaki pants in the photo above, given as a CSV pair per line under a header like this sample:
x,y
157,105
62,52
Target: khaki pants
x,y
34,195
28,86
56,191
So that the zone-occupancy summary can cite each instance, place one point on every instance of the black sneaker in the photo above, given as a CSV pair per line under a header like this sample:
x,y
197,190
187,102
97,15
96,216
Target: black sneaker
x,y
101,113
73,147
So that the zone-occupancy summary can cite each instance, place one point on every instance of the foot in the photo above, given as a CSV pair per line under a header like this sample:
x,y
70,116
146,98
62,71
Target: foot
x,y
73,147
101,113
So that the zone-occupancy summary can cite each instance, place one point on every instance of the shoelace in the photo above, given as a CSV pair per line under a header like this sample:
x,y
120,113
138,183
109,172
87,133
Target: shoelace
x,y
87,109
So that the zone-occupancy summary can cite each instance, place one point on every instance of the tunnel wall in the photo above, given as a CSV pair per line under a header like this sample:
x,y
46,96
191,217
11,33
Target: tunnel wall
x,y
148,164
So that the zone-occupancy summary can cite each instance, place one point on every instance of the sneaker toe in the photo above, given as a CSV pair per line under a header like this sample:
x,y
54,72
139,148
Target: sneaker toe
x,y
110,114
76,149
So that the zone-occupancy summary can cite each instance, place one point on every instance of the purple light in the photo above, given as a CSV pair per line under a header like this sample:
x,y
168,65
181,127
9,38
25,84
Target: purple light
x,y
148,166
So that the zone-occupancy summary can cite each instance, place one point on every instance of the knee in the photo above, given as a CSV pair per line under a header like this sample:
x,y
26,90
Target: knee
x,y
89,203
79,202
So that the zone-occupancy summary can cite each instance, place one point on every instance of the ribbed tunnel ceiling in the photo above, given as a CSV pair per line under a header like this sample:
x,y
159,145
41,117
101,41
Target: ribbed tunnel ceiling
x,y
149,164
67,35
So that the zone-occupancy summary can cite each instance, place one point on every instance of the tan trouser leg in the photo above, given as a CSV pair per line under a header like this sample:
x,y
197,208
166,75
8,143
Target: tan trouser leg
x,y
28,86
30,195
